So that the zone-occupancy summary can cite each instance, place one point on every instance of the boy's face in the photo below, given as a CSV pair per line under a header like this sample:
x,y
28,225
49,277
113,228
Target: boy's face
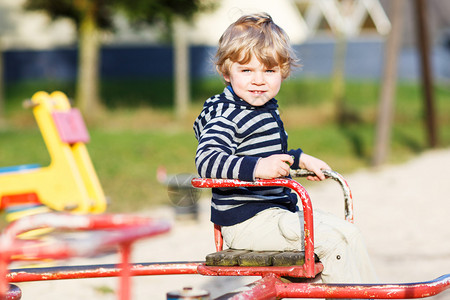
x,y
254,82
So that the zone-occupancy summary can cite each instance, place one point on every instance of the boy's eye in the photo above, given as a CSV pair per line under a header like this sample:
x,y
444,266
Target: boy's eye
x,y
273,70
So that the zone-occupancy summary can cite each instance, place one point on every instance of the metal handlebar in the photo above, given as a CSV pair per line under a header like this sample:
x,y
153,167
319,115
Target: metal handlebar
x,y
348,198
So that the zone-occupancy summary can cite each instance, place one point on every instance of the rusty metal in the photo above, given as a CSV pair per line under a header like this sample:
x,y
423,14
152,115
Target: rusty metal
x,y
348,197
364,291
262,289
272,287
271,279
145,269
218,239
104,270
285,182
289,271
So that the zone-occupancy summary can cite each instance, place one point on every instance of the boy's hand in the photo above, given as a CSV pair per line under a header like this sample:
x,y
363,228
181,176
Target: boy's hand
x,y
313,164
274,166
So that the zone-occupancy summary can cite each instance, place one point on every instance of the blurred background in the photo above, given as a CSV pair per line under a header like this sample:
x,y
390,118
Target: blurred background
x,y
373,89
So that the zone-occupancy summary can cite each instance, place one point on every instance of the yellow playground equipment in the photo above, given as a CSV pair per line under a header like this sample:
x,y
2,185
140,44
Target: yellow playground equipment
x,y
69,182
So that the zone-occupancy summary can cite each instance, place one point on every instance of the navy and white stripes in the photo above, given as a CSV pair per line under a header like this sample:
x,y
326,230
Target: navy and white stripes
x,y
232,136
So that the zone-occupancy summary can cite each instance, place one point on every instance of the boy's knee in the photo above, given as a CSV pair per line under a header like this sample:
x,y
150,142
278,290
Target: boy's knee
x,y
329,226
350,231
290,228
329,237
291,231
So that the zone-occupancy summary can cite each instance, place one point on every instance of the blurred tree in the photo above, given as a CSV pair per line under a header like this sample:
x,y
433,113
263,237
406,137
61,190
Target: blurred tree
x,y
90,17
159,11
5,25
389,84
2,98
93,16
174,15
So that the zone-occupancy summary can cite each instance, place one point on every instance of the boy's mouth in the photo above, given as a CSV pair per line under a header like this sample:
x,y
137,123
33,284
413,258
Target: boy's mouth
x,y
256,92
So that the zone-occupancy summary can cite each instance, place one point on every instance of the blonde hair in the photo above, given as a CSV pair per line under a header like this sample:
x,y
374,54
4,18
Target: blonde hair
x,y
258,35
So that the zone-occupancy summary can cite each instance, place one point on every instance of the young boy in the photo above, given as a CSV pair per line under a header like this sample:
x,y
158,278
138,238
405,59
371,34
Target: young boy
x,y
241,136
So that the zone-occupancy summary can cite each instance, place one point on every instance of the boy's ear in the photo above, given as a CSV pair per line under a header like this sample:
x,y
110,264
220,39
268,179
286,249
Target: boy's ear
x,y
226,77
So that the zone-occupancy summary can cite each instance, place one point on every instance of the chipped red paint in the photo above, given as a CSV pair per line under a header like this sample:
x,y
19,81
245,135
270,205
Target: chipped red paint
x,y
289,271
348,197
94,271
262,289
272,287
285,182
270,284
364,291
107,270
218,239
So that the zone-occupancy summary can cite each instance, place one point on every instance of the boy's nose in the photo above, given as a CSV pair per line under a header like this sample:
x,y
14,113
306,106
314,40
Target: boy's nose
x,y
258,78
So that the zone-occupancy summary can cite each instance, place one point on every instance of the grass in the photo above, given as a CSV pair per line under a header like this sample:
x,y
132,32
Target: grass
x,y
138,133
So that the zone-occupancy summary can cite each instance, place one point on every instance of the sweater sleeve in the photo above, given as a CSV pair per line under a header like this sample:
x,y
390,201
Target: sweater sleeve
x,y
215,156
296,155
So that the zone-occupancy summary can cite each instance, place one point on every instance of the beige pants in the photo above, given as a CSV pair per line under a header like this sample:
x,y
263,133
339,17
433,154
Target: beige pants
x,y
338,243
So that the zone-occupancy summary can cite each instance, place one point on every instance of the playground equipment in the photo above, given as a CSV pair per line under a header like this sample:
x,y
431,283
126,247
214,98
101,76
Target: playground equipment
x,y
101,233
278,280
70,182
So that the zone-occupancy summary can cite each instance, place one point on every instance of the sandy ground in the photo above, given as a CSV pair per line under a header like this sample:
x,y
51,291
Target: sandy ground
x,y
402,211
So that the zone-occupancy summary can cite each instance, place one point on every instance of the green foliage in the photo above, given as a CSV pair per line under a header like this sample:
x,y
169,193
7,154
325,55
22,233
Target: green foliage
x,y
152,11
75,10
147,11
160,12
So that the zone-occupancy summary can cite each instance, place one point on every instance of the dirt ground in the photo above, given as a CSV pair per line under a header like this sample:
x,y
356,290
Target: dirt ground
x,y
402,211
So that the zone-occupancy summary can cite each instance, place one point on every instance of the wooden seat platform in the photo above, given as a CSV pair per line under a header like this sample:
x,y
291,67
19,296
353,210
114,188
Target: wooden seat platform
x,y
247,258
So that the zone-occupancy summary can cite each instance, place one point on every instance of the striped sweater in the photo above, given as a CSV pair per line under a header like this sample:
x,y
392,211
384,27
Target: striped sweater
x,y
232,136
